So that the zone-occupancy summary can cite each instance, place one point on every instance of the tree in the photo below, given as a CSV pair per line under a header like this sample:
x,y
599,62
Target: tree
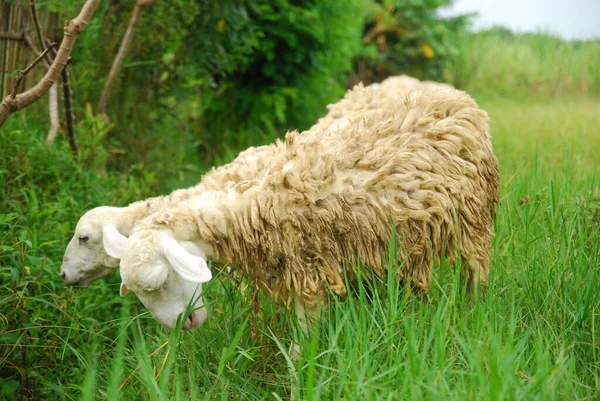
x,y
15,102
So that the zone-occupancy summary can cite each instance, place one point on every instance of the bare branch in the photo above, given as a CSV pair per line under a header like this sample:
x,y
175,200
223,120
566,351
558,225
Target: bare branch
x,y
69,115
53,111
24,72
121,54
72,30
36,23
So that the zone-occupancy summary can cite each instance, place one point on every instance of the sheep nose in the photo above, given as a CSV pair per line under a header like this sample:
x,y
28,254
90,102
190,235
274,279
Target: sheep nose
x,y
63,275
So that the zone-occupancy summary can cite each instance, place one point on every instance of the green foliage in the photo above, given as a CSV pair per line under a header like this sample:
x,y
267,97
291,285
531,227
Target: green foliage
x,y
500,62
407,37
204,79
274,65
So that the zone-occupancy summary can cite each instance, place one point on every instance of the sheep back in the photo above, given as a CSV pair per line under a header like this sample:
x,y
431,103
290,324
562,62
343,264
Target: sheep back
x,y
421,164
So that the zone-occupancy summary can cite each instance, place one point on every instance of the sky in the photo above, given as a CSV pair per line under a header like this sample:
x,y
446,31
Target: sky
x,y
569,19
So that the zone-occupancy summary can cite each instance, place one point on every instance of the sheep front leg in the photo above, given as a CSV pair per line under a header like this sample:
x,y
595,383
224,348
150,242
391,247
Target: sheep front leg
x,y
306,316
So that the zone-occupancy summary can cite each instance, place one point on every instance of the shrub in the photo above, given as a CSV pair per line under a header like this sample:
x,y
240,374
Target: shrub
x,y
406,37
274,65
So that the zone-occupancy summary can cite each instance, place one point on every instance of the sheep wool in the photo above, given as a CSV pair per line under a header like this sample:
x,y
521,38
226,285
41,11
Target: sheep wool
x,y
356,101
82,268
421,161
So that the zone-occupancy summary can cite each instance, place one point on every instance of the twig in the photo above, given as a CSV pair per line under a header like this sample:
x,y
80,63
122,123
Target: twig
x,y
24,72
54,53
69,116
121,54
77,25
38,27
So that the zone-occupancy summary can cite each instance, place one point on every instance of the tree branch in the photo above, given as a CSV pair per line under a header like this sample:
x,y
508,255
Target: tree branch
x,y
69,115
121,54
24,72
72,30
38,28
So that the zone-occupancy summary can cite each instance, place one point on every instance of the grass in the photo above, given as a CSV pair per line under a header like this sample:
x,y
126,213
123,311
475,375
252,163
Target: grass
x,y
534,336
499,61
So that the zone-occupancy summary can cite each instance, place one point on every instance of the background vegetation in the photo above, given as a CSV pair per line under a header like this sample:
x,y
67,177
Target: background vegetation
x,y
206,79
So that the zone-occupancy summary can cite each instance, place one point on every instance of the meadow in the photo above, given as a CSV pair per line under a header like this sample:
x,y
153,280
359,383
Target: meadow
x,y
535,334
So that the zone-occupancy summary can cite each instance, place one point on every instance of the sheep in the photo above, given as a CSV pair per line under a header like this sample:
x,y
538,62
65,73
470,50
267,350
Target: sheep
x,y
355,101
86,258
89,254
420,164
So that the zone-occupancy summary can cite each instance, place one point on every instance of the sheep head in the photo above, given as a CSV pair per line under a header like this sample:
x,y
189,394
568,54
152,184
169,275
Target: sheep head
x,y
91,253
166,275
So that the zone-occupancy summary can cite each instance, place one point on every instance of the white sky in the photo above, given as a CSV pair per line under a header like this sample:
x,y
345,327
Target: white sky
x,y
570,19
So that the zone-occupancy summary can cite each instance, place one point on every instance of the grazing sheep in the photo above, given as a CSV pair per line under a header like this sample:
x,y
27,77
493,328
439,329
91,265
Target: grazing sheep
x,y
421,163
88,254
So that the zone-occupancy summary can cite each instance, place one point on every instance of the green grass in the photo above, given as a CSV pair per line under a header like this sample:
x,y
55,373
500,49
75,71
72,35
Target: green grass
x,y
502,62
534,336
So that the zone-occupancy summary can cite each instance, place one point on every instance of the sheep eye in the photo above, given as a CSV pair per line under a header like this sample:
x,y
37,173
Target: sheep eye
x,y
83,239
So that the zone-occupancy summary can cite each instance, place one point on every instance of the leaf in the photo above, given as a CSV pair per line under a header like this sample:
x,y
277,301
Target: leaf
x,y
427,51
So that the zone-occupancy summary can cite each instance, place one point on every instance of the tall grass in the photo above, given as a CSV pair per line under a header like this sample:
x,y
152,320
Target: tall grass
x,y
534,336
501,62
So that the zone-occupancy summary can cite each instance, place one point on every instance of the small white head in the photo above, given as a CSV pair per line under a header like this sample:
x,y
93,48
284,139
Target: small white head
x,y
91,253
165,276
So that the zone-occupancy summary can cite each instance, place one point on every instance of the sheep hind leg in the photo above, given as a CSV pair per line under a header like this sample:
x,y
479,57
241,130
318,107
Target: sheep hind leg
x,y
475,273
307,316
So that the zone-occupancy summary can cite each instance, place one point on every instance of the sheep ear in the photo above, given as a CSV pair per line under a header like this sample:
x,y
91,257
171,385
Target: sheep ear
x,y
113,240
188,266
123,290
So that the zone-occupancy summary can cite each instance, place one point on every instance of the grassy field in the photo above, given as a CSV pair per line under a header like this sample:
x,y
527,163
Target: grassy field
x,y
534,336
499,61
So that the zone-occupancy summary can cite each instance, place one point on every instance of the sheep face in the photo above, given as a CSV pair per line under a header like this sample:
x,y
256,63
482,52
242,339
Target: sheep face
x,y
88,256
166,277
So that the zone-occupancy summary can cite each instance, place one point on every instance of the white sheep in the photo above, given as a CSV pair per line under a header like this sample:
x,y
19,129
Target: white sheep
x,y
88,254
422,162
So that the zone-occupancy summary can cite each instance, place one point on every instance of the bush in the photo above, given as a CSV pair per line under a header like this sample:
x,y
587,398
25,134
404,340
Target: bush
x,y
406,37
273,65
204,80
